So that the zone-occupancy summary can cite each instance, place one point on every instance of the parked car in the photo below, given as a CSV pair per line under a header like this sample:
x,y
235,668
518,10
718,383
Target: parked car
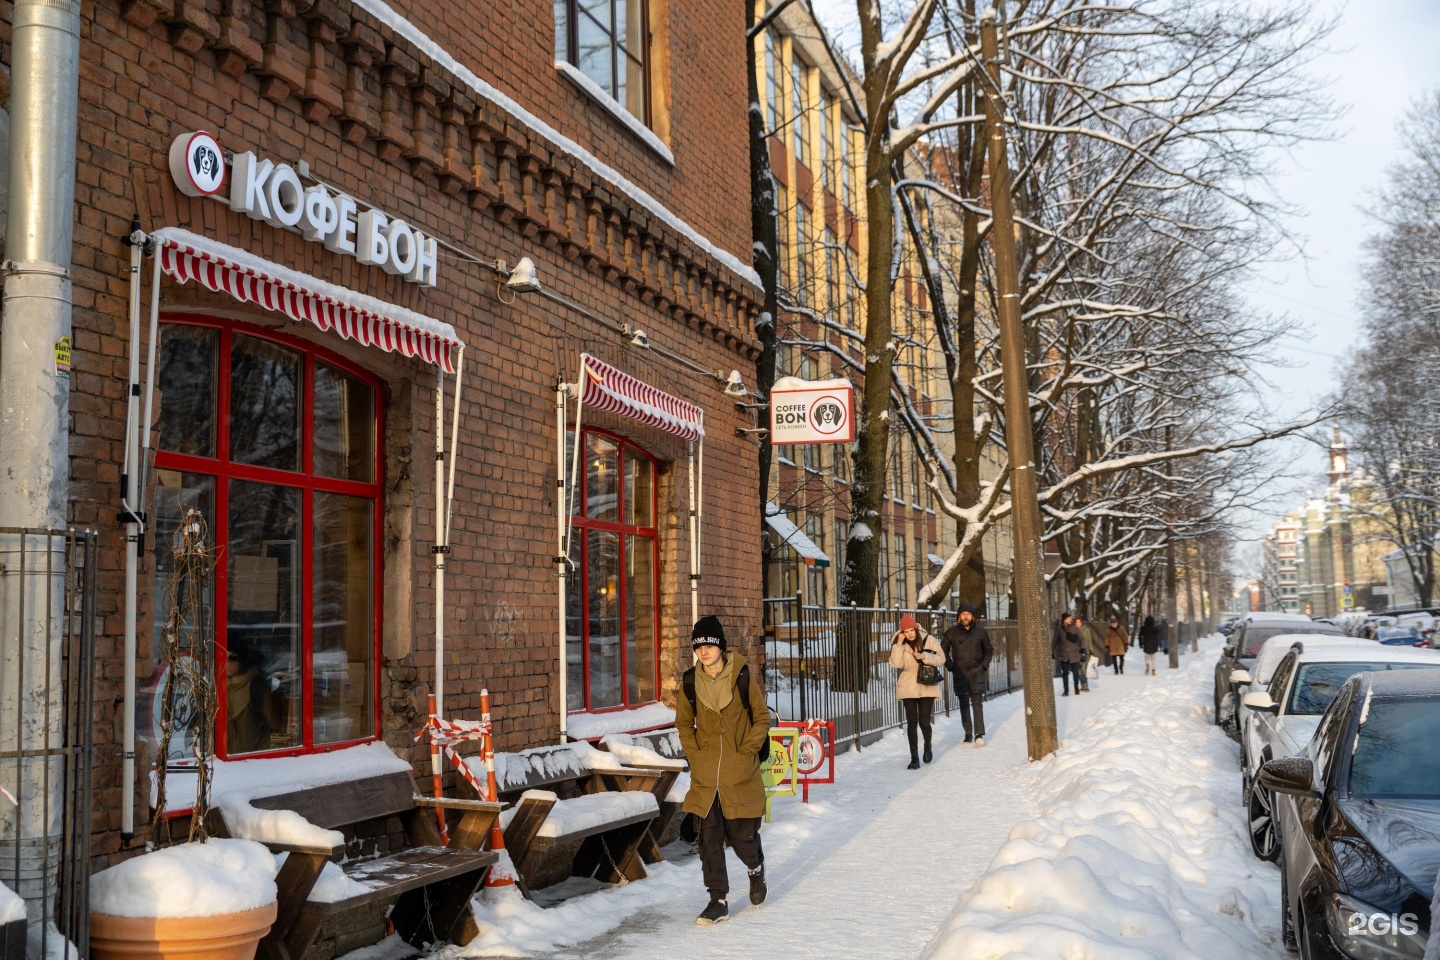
x,y
1359,821
1284,716
1244,645
1258,678
1401,636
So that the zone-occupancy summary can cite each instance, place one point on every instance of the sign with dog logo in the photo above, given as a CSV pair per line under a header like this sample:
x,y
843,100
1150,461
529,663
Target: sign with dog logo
x,y
197,164
805,411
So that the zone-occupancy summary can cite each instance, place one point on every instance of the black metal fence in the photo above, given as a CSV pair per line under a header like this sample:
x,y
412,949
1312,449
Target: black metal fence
x,y
47,639
833,663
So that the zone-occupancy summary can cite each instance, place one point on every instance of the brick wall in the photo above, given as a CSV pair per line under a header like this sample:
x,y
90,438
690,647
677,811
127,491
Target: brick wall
x,y
328,83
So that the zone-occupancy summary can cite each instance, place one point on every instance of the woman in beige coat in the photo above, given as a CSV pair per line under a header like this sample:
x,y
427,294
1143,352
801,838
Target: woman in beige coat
x,y
910,648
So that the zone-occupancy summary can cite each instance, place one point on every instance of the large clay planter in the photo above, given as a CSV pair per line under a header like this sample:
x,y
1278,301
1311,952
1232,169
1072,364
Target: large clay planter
x,y
229,936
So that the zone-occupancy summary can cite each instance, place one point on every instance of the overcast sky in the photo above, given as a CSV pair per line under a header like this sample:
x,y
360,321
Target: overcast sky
x,y
1384,53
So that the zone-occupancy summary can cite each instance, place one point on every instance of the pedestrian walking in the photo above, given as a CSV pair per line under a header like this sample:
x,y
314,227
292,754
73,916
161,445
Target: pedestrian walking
x,y
1116,640
1165,635
1068,647
723,723
912,650
1149,642
968,652
1094,646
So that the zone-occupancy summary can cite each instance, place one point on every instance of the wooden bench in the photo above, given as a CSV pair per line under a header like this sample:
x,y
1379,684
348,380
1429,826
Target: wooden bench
x,y
431,883
666,744
571,782
12,940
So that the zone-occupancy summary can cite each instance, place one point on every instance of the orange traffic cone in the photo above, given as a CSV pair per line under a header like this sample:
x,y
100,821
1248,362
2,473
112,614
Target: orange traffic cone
x,y
502,874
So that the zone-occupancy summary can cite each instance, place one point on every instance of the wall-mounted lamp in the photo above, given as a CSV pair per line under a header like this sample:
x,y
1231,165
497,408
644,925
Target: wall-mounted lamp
x,y
638,339
734,386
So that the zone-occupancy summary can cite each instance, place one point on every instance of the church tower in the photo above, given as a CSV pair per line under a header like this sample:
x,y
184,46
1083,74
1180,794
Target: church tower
x,y
1339,459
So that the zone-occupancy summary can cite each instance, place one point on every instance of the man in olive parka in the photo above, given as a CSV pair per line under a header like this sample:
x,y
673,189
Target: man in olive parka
x,y
723,727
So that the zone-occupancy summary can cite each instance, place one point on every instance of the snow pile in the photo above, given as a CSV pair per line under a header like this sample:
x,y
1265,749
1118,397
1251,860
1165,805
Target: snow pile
x,y
271,776
592,759
189,880
594,809
678,789
46,942
634,754
508,814
247,822
12,908
332,885
514,770
593,726
1139,853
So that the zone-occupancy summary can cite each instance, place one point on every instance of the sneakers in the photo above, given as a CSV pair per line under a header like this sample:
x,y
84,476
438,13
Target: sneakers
x,y
979,741
914,764
1065,694
758,889
716,912
928,755
969,739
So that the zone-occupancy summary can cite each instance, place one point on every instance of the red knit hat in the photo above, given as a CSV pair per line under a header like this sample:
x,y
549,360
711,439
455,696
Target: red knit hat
x,y
907,622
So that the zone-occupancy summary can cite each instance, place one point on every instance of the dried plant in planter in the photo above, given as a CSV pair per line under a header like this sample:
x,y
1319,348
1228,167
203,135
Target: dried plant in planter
x,y
187,648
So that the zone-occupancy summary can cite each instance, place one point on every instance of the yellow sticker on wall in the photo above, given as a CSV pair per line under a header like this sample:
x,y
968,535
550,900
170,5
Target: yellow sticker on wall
x,y
62,357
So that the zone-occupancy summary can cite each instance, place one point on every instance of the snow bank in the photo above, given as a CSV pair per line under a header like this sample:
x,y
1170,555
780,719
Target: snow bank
x,y
593,759
270,776
635,755
12,908
1140,853
332,885
508,813
189,880
593,726
591,810
678,789
272,826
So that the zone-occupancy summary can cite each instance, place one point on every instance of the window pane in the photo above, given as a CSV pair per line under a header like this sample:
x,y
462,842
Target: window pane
x,y
574,635
265,392
187,378
175,494
603,588
630,26
562,30
639,479
602,464
344,425
630,85
640,617
595,52
344,627
599,9
262,685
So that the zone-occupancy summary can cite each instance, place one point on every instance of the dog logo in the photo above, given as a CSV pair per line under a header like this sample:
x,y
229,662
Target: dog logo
x,y
827,416
197,164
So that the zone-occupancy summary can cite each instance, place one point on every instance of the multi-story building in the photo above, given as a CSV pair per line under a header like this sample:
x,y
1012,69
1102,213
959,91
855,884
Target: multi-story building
x,y
810,100
1279,576
337,195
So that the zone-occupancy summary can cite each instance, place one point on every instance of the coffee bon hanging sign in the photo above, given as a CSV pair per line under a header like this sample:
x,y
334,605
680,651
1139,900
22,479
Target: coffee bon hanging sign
x,y
806,411
265,190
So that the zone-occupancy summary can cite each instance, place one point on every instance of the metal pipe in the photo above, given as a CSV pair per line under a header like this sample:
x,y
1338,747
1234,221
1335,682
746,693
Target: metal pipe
x,y
694,552
562,506
34,425
128,477
439,551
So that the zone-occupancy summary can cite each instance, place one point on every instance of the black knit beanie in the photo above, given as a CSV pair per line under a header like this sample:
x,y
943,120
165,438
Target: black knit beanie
x,y
708,630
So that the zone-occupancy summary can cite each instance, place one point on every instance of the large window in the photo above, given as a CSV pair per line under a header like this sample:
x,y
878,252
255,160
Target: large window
x,y
799,121
612,611
773,78
606,40
827,149
275,443
802,255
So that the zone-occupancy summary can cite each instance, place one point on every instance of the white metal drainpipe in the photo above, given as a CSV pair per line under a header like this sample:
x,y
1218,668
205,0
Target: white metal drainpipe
x,y
34,425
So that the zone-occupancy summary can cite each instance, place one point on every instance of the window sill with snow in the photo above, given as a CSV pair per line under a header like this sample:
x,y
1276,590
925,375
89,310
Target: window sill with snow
x,y
632,123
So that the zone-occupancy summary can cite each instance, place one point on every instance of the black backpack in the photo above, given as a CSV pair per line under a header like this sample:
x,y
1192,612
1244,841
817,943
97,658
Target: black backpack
x,y
742,682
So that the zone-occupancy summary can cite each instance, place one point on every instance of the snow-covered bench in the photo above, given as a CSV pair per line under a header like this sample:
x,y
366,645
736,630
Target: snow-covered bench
x,y
431,883
610,826
659,749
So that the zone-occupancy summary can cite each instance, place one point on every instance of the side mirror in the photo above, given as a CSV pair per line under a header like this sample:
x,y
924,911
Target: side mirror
x,y
1229,651
1292,775
1240,676
1260,700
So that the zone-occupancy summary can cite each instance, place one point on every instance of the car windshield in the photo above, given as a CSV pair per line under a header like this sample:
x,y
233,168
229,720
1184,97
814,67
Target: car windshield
x,y
1319,682
1255,637
1395,755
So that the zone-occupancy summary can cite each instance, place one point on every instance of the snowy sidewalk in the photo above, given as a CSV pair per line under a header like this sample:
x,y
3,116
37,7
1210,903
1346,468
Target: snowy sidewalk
x,y
872,867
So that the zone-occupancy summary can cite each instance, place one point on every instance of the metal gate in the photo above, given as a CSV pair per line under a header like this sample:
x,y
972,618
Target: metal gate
x,y
47,634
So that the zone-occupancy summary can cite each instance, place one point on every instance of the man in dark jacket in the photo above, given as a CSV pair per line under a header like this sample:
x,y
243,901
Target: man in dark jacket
x,y
723,721
968,652
1068,647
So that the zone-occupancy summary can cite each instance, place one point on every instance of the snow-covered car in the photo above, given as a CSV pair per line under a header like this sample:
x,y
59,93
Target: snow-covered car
x,y
1258,678
1283,717
1244,645
1401,635
1359,821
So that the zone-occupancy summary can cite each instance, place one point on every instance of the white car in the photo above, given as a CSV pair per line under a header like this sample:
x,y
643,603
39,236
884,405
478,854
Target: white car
x,y
1257,678
1283,717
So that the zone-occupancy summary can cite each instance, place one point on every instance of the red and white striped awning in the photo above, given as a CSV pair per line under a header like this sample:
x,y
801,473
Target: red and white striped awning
x,y
607,388
355,316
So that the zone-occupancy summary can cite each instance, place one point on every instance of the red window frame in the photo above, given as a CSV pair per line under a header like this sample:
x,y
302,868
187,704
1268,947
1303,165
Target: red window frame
x,y
581,524
224,470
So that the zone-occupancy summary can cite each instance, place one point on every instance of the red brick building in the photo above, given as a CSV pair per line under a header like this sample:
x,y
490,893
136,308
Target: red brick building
x,y
613,155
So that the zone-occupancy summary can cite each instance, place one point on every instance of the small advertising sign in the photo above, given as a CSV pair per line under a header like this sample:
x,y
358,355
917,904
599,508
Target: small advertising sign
x,y
805,411
814,752
780,772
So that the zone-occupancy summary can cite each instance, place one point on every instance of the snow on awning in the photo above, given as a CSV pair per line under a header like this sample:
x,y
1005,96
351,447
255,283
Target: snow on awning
x,y
795,537
368,321
608,388
934,560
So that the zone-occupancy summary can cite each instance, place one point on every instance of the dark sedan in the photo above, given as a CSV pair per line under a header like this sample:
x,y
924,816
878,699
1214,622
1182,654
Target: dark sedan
x,y
1359,819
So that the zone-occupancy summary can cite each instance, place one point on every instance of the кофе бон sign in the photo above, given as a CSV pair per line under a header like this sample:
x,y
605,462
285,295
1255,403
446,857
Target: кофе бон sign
x,y
270,191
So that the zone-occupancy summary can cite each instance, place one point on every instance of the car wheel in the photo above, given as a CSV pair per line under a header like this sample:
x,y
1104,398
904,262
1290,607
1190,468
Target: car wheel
x,y
1307,952
1287,919
1227,717
1262,825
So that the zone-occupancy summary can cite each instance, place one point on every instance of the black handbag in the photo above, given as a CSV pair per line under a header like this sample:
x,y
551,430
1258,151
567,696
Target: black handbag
x,y
928,676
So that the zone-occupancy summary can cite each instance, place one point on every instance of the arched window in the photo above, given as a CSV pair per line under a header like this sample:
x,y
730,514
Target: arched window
x,y
277,443
612,611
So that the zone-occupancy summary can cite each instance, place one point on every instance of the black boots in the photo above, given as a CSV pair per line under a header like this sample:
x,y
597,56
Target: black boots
x,y
716,912
914,763
928,755
758,890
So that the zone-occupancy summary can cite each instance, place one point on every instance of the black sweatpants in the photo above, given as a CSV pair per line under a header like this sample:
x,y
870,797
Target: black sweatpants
x,y
970,703
1118,662
743,835
918,711
1068,670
